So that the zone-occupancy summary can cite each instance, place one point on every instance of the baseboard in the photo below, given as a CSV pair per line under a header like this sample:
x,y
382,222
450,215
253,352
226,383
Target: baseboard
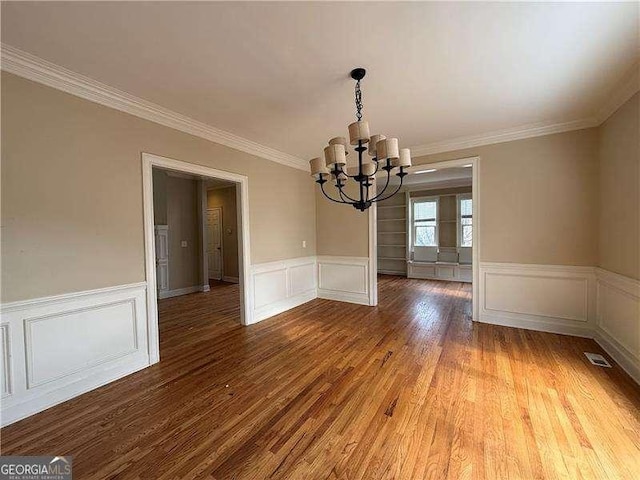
x,y
620,354
30,407
550,325
179,291
206,288
283,305
230,279
358,298
392,272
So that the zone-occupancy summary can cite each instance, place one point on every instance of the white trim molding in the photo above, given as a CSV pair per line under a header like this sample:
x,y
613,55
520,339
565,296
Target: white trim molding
x,y
282,285
621,92
244,244
31,67
549,298
47,358
34,68
501,136
617,327
345,279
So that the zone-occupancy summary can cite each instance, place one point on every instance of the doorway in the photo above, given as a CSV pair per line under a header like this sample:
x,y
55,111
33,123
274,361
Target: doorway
x,y
241,184
214,242
446,243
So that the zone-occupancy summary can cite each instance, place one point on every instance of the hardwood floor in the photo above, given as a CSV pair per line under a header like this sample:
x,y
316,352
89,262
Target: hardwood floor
x,y
408,390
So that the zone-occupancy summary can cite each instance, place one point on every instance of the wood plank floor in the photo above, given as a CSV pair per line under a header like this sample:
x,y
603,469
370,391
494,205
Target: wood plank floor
x,y
408,390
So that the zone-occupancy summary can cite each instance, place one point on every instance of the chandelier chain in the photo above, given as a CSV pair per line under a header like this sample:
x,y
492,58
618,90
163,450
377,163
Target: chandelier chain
x,y
358,101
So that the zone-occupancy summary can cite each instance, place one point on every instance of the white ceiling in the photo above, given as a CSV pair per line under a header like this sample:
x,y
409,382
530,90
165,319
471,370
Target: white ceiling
x,y
277,73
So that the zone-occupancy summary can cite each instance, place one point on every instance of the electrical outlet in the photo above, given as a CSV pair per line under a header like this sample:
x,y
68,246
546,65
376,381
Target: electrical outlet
x,y
183,243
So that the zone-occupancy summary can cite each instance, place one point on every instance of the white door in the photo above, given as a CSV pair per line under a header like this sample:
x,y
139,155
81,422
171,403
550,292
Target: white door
x,y
214,242
162,258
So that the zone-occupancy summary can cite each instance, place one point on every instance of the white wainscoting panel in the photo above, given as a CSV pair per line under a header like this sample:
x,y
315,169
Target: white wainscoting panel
x,y
345,279
282,285
618,319
439,271
56,348
550,298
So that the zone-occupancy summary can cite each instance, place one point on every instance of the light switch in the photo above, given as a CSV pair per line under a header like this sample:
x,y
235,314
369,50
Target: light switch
x,y
304,244
183,243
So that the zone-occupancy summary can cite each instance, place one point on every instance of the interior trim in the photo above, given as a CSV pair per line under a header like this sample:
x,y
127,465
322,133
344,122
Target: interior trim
x,y
34,68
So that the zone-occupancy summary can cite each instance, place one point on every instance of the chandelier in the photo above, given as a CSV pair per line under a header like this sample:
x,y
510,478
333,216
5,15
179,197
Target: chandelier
x,y
384,153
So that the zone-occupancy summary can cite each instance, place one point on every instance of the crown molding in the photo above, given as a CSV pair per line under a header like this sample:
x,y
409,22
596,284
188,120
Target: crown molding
x,y
500,136
34,68
623,91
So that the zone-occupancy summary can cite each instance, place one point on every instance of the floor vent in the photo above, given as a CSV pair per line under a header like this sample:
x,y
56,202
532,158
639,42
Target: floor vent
x,y
598,360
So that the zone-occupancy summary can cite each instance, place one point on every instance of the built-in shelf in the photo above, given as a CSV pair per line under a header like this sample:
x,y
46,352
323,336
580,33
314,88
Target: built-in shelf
x,y
391,250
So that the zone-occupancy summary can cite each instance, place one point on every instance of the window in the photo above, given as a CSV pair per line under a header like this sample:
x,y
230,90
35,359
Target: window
x,y
466,221
424,222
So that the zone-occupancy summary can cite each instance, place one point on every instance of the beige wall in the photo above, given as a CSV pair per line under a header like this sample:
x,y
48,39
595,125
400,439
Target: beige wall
x,y
619,224
182,218
72,193
537,198
341,229
226,198
538,202
159,197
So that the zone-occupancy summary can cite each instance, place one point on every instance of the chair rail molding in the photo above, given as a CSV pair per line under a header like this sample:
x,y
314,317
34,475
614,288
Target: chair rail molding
x,y
48,357
34,68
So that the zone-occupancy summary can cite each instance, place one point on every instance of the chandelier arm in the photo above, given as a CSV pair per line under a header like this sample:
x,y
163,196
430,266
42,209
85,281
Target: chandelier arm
x,y
344,172
396,191
377,167
330,198
344,194
386,184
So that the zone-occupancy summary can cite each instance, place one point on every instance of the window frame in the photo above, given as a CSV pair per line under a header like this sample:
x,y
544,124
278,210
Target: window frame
x,y
459,198
412,224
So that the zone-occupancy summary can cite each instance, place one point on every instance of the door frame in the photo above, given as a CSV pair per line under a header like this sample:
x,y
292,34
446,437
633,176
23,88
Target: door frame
x,y
149,161
221,241
477,239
